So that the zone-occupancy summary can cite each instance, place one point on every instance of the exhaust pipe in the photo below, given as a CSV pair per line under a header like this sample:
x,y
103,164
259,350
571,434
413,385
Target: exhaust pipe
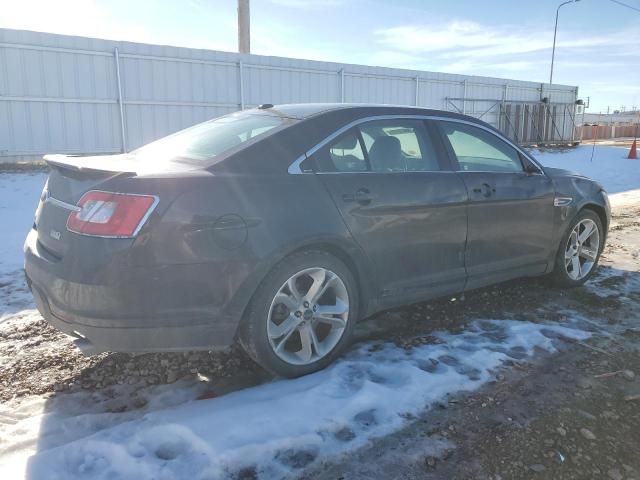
x,y
86,347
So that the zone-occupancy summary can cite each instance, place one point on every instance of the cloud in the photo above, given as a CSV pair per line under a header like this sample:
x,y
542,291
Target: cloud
x,y
471,39
71,17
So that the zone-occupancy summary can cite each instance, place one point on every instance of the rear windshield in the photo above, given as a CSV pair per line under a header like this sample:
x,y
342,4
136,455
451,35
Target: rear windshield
x,y
207,140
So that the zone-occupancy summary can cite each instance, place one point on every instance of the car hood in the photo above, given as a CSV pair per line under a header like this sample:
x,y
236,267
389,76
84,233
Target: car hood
x,y
561,176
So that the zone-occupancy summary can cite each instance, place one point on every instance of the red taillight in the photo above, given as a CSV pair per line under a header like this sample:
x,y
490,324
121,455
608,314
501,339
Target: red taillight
x,y
107,214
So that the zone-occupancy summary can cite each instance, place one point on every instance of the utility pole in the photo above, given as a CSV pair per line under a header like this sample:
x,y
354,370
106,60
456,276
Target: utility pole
x,y
244,27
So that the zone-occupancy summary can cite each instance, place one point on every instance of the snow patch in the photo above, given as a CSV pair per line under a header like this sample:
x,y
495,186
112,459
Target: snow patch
x,y
615,283
276,429
19,196
610,166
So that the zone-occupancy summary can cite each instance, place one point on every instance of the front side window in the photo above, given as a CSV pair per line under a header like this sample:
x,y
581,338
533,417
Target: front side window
x,y
480,151
207,140
383,146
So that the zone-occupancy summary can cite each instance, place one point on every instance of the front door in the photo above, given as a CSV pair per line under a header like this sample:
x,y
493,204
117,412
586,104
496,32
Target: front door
x,y
406,212
510,205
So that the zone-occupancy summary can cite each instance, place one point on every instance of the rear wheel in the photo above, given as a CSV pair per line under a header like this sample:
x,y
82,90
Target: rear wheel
x,y
579,250
302,315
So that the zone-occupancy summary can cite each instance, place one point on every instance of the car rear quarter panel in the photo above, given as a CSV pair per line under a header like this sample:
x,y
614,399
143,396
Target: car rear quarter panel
x,y
238,226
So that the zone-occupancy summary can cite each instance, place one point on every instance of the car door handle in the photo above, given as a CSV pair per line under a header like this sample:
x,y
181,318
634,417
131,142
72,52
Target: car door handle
x,y
362,196
486,190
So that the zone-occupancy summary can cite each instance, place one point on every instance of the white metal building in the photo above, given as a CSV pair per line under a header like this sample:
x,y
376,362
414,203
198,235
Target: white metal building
x,y
63,94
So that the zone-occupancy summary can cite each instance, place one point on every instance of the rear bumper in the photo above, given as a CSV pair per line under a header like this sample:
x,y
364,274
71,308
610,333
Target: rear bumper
x,y
91,340
131,309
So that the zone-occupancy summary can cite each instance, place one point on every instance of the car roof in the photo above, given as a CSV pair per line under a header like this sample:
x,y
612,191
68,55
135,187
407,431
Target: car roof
x,y
303,111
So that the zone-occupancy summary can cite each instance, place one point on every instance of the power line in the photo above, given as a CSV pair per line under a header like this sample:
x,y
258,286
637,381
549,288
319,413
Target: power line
x,y
626,5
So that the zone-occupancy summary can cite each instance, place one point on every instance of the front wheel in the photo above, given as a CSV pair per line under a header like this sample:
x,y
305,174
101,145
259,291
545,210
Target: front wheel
x,y
302,315
579,250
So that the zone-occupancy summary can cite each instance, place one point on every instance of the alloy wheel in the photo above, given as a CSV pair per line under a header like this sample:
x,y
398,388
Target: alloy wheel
x,y
582,249
308,316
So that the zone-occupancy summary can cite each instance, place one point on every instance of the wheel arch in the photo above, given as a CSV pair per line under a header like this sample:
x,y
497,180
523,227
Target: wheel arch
x,y
600,211
350,255
357,270
594,207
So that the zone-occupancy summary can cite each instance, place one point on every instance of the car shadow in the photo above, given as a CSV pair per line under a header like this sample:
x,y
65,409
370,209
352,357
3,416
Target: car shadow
x,y
120,388
14,294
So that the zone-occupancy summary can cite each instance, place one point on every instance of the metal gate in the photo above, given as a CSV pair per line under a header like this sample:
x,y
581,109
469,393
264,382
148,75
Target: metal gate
x,y
525,122
538,123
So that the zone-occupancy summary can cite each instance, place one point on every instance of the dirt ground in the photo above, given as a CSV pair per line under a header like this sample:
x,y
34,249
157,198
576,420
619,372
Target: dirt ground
x,y
571,415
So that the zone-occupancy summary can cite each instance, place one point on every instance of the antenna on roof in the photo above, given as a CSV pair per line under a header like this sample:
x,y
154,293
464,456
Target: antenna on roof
x,y
265,106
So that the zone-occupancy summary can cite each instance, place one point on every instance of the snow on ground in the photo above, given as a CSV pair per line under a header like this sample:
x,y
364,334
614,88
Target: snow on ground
x,y
609,166
272,430
277,428
19,195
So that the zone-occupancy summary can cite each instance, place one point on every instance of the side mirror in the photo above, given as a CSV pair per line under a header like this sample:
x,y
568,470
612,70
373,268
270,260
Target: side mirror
x,y
531,169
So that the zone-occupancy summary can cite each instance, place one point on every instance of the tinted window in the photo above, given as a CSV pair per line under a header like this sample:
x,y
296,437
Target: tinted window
x,y
399,146
380,146
480,151
346,154
209,139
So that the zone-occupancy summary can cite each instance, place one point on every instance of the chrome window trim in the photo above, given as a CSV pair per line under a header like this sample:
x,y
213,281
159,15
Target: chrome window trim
x,y
295,169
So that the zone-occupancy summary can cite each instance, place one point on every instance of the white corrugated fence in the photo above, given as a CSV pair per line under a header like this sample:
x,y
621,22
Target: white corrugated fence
x,y
63,94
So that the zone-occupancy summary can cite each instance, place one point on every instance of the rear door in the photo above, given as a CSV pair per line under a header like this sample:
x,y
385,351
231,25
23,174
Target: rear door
x,y
510,206
402,204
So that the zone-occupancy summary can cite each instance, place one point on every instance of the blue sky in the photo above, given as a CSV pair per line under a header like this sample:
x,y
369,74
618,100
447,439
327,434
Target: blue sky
x,y
598,41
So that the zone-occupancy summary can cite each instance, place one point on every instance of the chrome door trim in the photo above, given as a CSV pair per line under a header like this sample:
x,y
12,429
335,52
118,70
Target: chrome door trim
x,y
295,169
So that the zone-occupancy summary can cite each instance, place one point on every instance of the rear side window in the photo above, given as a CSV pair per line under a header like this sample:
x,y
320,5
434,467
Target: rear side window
x,y
383,146
346,154
480,151
399,146
210,139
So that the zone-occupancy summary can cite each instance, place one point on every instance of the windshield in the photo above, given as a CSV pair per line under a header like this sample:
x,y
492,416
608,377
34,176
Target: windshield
x,y
211,138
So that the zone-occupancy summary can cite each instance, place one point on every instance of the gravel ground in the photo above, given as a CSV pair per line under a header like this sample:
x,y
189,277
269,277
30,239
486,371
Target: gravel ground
x,y
572,415
35,358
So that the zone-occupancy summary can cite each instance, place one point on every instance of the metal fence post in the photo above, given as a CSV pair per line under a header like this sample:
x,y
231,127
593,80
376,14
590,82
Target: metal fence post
x,y
120,100
241,81
464,97
572,116
417,90
502,108
341,72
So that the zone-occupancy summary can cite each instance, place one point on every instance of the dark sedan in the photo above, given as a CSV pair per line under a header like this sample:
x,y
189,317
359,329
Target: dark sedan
x,y
280,227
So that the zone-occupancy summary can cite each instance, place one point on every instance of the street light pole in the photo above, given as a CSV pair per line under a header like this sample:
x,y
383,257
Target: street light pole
x,y
555,32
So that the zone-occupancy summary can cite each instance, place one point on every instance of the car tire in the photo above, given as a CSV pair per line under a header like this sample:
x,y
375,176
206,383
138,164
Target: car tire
x,y
564,274
328,340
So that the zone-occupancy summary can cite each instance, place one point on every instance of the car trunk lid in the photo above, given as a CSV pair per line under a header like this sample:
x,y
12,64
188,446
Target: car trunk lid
x,y
69,179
